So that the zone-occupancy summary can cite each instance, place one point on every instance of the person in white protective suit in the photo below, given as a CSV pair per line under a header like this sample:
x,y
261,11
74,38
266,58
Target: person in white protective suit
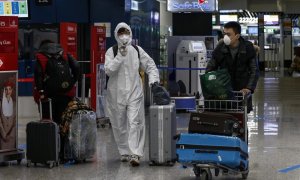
x,y
125,98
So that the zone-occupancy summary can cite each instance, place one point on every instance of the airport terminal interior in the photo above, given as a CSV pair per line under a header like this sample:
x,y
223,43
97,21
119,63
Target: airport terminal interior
x,y
180,36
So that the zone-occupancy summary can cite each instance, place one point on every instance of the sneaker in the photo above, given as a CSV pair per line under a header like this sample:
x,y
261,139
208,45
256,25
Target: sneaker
x,y
135,160
125,158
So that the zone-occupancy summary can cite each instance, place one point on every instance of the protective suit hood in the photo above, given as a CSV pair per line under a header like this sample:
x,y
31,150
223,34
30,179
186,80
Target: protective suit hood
x,y
123,25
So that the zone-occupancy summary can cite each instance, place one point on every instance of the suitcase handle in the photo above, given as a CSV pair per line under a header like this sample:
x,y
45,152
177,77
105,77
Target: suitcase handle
x,y
208,123
206,151
50,110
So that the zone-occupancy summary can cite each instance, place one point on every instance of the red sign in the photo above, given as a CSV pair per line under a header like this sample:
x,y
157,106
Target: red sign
x,y
8,43
98,48
201,1
68,37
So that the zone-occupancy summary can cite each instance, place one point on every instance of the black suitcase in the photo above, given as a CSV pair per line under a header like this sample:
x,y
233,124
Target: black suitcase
x,y
215,123
43,141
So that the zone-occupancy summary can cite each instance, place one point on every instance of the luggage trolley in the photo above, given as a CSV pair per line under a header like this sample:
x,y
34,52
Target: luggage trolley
x,y
236,107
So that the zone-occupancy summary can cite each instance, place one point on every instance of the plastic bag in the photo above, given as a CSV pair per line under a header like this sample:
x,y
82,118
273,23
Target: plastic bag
x,y
217,85
81,141
160,95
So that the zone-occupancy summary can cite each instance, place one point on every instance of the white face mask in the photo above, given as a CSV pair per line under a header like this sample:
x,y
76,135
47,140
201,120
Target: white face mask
x,y
227,40
124,38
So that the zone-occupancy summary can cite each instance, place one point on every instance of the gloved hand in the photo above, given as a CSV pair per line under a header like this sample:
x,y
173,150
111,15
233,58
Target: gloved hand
x,y
154,85
123,50
160,94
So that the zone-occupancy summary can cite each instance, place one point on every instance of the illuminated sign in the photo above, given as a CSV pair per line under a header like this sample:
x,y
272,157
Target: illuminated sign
x,y
14,8
225,18
192,5
248,20
271,19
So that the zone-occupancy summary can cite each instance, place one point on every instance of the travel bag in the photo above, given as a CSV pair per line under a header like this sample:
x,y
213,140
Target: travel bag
x,y
162,146
230,152
81,138
43,140
215,123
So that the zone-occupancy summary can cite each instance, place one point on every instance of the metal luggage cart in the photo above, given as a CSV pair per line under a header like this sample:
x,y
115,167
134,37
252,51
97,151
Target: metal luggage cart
x,y
236,107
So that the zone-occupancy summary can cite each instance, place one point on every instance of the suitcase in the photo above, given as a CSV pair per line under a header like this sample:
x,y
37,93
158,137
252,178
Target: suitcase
x,y
215,123
162,146
227,151
80,144
43,141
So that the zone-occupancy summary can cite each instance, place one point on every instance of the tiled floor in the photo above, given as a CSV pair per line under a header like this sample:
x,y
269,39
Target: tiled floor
x,y
274,145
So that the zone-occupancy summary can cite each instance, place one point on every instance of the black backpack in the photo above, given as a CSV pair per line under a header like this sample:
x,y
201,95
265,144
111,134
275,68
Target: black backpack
x,y
58,77
115,50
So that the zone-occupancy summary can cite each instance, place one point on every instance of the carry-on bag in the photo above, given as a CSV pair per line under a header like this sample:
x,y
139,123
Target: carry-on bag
x,y
162,146
226,151
43,140
81,140
215,123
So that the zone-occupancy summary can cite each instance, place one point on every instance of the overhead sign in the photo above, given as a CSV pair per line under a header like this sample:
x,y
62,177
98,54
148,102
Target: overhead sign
x,y
192,5
43,2
225,18
14,8
248,20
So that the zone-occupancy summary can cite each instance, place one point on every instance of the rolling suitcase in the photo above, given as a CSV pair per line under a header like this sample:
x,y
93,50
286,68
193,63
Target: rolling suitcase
x,y
43,141
215,123
230,152
162,146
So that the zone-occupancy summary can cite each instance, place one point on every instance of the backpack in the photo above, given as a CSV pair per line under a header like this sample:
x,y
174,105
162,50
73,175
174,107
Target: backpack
x,y
115,50
58,77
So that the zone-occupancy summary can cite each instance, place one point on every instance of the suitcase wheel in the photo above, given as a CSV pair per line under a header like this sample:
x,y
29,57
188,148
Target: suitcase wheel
x,y
151,163
51,165
202,173
28,164
19,161
245,175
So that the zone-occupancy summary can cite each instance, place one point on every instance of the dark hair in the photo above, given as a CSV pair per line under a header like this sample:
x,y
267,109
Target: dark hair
x,y
234,25
220,34
123,30
46,41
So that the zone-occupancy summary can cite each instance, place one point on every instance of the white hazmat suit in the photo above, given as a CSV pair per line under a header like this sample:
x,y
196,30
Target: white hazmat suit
x,y
125,98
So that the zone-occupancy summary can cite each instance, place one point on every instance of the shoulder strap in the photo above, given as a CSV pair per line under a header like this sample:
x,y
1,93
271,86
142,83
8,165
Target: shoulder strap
x,y
137,49
115,50
43,59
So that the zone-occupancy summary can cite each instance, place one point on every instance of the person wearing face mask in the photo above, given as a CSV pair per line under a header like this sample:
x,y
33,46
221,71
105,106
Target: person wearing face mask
x,y
125,98
238,56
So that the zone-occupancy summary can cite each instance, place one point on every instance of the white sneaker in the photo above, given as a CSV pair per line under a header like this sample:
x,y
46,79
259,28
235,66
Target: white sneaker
x,y
135,160
125,158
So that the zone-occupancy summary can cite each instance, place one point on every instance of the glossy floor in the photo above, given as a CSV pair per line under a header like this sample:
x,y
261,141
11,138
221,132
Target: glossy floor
x,y
274,145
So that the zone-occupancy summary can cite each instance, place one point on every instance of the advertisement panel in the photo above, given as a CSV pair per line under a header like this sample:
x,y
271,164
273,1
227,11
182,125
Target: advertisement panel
x,y
68,37
17,8
8,110
8,43
192,5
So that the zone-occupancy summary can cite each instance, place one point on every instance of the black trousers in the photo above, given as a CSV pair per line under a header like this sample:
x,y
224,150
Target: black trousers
x,y
59,104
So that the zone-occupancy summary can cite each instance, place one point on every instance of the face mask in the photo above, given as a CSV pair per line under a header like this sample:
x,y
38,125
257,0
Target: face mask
x,y
124,38
227,40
